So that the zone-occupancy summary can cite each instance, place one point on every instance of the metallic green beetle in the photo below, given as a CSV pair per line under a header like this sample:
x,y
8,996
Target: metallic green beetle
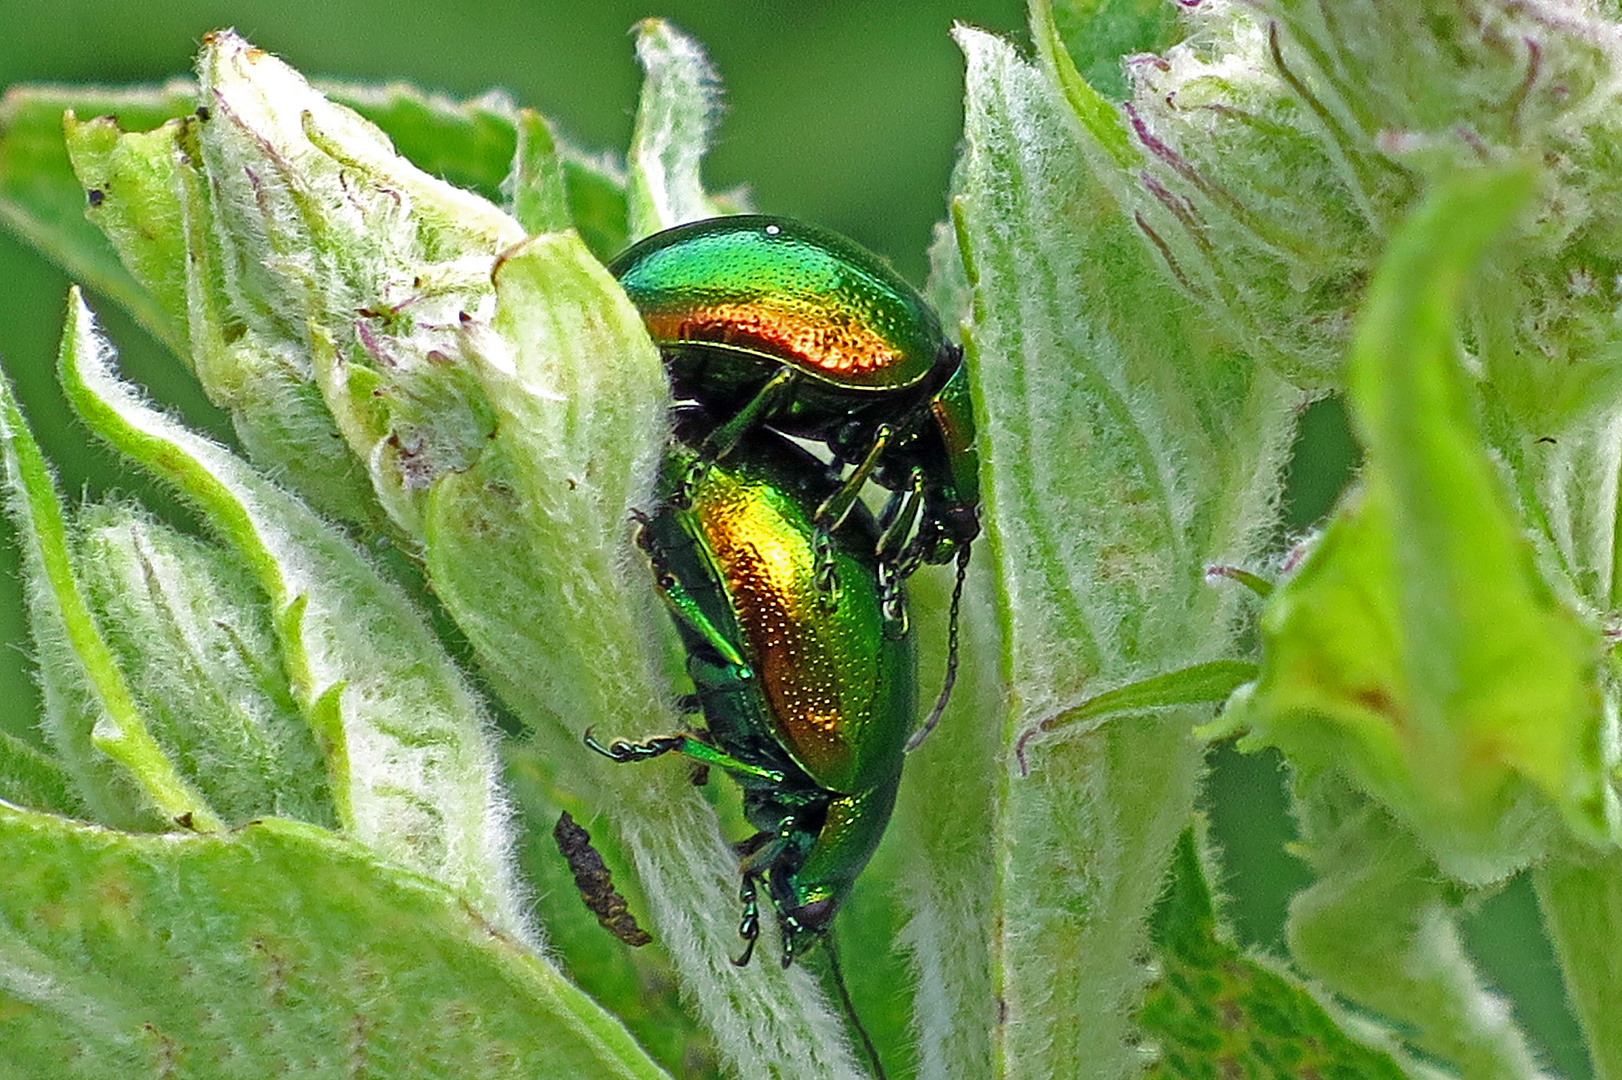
x,y
768,321
807,705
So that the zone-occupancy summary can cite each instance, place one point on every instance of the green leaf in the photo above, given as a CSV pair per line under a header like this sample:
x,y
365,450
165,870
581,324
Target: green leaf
x,y
640,985
134,194
277,948
529,546
1121,455
1580,895
97,728
945,835
597,200
540,197
325,250
489,146
1419,650
194,636
471,143
1095,113
154,206
41,201
1383,932
1213,1011
1264,209
32,779
409,763
1211,681
477,144
674,118
1101,35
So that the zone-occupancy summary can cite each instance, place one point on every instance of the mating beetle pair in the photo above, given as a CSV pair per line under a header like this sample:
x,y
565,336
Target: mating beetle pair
x,y
787,594
768,322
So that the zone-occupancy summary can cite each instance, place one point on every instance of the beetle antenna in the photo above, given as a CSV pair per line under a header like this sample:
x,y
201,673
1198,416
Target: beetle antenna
x,y
850,1007
934,718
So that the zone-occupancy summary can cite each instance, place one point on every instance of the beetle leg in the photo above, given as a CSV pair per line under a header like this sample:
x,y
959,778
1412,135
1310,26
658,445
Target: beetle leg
x,y
757,854
760,855
623,751
899,522
789,929
892,602
686,611
897,556
824,580
749,925
778,391
709,755
786,931
691,479
833,511
831,514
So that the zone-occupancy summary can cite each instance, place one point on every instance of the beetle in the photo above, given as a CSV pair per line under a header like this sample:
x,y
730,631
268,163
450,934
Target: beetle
x,y
766,321
807,705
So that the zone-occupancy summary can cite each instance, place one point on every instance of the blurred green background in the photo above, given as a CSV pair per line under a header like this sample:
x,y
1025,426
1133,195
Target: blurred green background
x,y
844,112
